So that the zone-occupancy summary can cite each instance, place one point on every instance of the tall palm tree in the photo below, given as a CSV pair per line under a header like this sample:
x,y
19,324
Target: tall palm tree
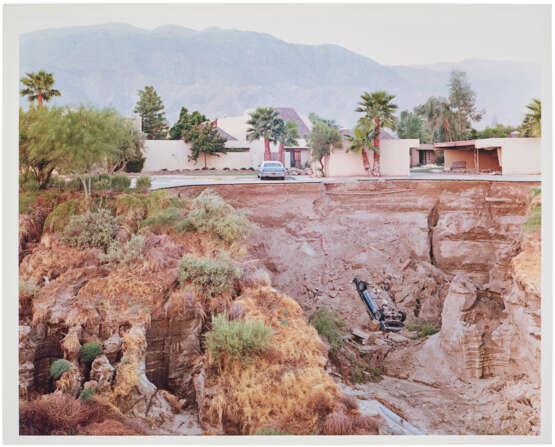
x,y
439,116
532,124
377,107
264,123
363,139
39,86
288,134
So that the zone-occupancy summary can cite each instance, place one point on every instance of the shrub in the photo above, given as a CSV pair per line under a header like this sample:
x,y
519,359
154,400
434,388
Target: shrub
x,y
362,374
86,394
30,184
534,219
160,199
120,182
162,219
101,184
265,431
126,254
211,214
60,216
57,182
93,229
237,339
337,423
131,208
329,324
143,183
89,351
135,165
59,367
73,185
211,277
422,329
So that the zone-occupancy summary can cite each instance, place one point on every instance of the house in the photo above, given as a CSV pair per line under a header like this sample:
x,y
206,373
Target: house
x,y
510,156
394,157
295,156
424,154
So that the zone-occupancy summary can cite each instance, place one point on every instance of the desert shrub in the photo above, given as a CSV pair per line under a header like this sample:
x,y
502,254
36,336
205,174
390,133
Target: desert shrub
x,y
89,351
131,208
161,199
143,183
210,276
93,229
265,431
60,216
237,339
120,182
28,288
101,184
337,423
86,394
162,219
329,324
349,401
365,424
135,165
127,253
534,219
422,329
211,214
362,374
59,367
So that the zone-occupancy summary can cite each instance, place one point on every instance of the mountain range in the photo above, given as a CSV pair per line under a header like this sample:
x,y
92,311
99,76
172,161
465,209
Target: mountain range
x,y
223,72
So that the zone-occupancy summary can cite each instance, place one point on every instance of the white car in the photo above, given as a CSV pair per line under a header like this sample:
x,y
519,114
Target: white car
x,y
271,169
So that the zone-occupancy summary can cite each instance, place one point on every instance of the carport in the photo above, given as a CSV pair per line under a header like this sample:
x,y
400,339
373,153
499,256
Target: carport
x,y
470,156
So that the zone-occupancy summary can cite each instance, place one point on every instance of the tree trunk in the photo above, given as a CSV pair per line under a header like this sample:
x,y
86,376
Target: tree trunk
x,y
39,98
267,155
204,160
280,154
322,167
365,161
376,167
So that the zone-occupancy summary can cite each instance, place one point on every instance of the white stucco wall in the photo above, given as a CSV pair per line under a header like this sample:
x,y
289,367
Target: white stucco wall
x,y
174,155
395,157
519,156
342,163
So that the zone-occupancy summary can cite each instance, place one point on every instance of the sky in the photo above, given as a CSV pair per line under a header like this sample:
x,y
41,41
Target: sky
x,y
402,34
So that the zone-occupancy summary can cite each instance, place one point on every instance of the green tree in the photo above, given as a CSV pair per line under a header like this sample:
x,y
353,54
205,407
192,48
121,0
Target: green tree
x,y
376,107
41,148
438,117
499,131
184,125
363,138
532,124
151,110
287,136
89,136
128,144
264,123
462,102
412,126
322,139
206,141
38,86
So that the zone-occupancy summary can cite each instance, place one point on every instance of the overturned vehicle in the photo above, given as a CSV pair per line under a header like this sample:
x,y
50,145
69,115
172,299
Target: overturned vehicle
x,y
381,306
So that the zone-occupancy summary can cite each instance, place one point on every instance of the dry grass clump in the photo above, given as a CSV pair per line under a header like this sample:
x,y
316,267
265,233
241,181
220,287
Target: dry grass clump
x,y
337,423
108,427
211,214
130,208
60,216
349,421
286,386
210,276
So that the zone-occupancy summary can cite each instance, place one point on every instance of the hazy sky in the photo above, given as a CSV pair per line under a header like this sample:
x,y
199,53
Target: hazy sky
x,y
389,34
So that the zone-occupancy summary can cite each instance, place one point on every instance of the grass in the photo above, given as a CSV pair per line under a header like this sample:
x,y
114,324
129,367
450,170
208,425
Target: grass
x,y
26,199
329,324
237,339
533,221
422,329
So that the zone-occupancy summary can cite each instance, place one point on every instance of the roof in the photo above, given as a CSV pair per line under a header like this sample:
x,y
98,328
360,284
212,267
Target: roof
x,y
424,147
384,134
290,114
223,134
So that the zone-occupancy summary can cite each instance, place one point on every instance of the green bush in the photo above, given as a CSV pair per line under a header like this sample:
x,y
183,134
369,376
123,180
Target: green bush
x,y
59,367
143,183
101,184
422,329
60,216
135,165
237,339
86,394
158,200
329,324
126,254
211,277
211,214
93,229
162,219
120,182
89,351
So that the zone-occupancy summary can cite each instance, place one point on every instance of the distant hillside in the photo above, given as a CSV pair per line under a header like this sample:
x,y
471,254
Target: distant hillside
x,y
223,72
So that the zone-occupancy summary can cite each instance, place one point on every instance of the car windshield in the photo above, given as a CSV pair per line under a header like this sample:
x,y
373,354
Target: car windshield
x,y
271,165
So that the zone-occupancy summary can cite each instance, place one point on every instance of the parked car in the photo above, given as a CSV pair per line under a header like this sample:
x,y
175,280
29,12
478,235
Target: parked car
x,y
271,169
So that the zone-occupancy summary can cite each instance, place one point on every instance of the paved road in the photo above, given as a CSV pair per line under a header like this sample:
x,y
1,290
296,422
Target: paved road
x,y
172,181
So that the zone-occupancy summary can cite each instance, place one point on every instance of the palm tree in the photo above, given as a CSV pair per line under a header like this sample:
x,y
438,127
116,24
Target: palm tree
x,y
532,123
265,123
438,115
377,107
288,134
363,139
39,86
